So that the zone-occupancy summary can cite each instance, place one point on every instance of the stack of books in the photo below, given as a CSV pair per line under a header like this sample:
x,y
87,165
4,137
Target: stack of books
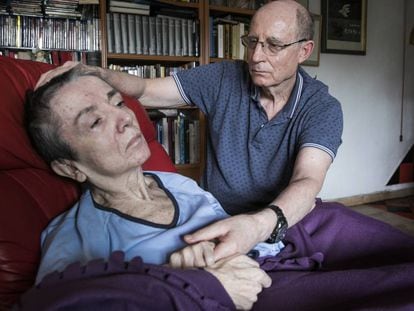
x,y
178,133
152,35
225,36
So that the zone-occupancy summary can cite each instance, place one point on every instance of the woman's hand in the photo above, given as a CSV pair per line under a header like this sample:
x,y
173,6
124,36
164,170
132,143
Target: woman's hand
x,y
198,255
242,278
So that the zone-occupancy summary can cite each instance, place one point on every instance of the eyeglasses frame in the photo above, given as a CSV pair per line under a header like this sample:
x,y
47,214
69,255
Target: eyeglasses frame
x,y
262,43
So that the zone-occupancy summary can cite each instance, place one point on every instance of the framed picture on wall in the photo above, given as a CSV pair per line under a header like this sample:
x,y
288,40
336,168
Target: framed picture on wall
x,y
344,26
313,60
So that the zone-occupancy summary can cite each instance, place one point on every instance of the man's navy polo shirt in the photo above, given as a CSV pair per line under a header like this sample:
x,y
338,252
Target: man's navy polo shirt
x,y
250,159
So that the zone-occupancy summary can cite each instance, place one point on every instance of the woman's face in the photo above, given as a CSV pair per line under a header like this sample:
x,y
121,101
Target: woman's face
x,y
99,127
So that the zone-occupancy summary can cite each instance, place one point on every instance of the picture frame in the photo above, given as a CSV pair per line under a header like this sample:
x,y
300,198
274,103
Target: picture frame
x,y
344,26
313,59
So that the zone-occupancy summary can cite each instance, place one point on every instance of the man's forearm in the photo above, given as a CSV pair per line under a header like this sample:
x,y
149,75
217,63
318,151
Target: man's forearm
x,y
158,92
298,199
128,84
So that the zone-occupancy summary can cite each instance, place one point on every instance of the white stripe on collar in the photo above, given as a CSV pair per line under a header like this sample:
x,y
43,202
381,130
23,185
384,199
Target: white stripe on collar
x,y
298,94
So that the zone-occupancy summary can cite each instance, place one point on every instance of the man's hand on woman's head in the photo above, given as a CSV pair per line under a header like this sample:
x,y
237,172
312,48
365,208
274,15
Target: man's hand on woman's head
x,y
242,278
49,75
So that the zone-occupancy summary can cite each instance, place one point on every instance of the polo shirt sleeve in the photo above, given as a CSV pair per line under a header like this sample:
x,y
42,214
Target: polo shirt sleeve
x,y
323,127
200,86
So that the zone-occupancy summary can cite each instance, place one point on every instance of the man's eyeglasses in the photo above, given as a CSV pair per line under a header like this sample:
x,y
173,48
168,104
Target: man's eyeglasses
x,y
269,46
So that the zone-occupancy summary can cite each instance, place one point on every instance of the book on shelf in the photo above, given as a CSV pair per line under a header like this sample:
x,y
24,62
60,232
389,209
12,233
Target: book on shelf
x,y
138,34
49,33
158,36
165,36
145,34
119,9
129,4
152,36
110,32
124,33
131,34
178,133
117,32
171,36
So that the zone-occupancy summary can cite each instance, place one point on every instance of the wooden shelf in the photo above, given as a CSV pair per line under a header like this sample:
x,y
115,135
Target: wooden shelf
x,y
154,58
228,10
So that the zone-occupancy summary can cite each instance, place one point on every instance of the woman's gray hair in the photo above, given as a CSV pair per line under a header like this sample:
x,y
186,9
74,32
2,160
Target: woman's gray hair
x,y
42,124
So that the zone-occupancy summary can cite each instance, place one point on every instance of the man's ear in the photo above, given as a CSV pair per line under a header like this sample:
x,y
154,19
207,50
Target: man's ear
x,y
306,50
67,168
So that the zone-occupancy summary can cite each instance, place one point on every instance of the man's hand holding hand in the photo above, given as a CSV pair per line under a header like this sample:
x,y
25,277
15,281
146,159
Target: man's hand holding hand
x,y
237,234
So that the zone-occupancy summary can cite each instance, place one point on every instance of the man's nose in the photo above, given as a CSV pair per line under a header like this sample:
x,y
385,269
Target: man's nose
x,y
258,53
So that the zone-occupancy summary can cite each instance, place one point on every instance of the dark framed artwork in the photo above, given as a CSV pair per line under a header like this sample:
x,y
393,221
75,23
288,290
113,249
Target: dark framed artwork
x,y
344,26
313,59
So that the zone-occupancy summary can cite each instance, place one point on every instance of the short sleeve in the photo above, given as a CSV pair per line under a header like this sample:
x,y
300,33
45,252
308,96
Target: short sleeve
x,y
201,85
323,127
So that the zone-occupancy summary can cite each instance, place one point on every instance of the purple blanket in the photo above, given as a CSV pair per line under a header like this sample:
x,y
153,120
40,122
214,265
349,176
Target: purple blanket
x,y
334,259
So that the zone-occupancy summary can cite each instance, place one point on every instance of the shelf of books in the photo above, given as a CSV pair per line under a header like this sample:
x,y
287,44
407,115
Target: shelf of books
x,y
54,31
228,21
178,131
153,39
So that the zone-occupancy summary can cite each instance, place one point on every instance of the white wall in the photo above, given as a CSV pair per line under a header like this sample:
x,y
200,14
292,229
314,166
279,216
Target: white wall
x,y
370,90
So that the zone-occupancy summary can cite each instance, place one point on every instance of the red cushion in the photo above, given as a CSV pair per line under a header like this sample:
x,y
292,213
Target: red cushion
x,y
30,193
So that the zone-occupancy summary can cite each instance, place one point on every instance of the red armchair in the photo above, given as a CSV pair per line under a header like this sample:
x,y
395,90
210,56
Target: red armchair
x,y
30,193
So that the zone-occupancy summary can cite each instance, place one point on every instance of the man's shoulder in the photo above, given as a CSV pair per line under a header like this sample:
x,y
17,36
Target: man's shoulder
x,y
315,90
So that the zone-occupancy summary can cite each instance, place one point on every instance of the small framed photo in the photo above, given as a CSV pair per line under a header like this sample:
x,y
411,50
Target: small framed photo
x,y
313,59
344,26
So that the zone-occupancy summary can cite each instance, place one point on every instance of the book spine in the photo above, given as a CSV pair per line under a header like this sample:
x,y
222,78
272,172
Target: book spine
x,y
165,36
178,39
138,34
190,38
158,35
184,37
124,32
131,34
145,35
171,37
117,32
152,36
109,31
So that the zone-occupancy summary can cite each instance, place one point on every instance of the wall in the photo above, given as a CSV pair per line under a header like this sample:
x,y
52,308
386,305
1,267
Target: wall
x,y
370,90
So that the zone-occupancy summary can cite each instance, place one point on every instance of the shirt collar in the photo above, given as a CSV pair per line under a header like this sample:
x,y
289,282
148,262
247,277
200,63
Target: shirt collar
x,y
291,105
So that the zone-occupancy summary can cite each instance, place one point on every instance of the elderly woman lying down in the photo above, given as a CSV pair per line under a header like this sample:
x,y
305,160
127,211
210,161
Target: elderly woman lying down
x,y
80,125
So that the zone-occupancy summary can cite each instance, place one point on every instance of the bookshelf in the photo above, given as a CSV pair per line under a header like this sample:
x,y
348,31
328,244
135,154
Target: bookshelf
x,y
203,12
53,31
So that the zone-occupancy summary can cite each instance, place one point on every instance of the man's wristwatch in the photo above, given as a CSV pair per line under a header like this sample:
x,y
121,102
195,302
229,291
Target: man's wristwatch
x,y
280,229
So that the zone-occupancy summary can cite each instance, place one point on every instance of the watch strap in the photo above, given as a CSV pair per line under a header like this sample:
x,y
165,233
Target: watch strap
x,y
281,226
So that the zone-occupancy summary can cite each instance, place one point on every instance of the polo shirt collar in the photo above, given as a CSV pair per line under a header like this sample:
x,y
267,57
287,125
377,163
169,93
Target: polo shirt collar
x,y
293,102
